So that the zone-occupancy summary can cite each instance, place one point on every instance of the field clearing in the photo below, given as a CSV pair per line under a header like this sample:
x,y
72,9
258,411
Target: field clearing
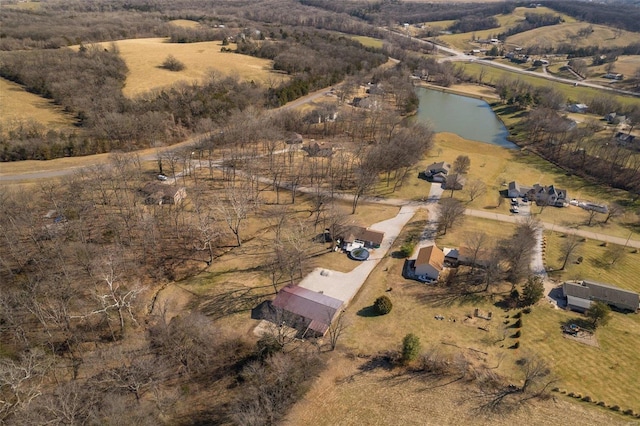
x,y
185,23
19,106
457,236
144,57
577,94
624,273
463,41
368,41
552,36
26,5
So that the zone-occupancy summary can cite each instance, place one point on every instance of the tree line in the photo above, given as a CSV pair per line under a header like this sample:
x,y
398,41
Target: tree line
x,y
624,16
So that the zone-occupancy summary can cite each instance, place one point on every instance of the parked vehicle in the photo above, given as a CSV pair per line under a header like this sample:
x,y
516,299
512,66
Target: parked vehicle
x,y
162,177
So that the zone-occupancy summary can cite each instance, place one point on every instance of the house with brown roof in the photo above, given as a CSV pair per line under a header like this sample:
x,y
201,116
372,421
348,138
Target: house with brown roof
x,y
580,295
353,237
429,263
158,193
309,312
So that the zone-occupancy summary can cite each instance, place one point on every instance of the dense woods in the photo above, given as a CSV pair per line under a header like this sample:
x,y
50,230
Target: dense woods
x,y
625,16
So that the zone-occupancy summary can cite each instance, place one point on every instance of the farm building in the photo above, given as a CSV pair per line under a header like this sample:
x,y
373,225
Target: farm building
x,y
305,310
429,263
580,295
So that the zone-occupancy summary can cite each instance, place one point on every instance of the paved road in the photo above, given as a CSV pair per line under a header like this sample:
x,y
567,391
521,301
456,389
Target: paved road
x,y
456,55
553,227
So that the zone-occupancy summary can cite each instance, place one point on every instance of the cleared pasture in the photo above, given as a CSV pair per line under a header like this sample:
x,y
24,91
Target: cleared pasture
x,y
185,23
567,32
19,106
144,57
368,41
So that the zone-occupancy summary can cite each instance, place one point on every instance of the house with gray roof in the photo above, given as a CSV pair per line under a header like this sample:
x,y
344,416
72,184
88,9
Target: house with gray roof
x,y
580,294
437,172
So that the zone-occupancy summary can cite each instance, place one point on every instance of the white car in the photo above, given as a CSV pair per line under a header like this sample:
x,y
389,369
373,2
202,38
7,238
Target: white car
x,y
515,210
162,177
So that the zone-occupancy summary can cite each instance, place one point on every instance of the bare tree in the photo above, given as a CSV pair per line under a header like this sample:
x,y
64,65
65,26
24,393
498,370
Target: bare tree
x,y
461,164
240,199
568,248
476,242
451,213
336,329
614,253
591,215
614,211
476,189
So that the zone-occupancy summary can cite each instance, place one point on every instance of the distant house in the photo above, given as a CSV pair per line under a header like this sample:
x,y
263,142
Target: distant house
x,y
437,172
158,193
316,149
305,310
353,237
579,108
580,295
430,262
615,118
454,181
625,138
613,76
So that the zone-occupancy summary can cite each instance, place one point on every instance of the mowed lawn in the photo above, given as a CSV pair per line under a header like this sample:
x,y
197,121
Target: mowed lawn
x,y
368,41
595,266
609,373
145,56
18,105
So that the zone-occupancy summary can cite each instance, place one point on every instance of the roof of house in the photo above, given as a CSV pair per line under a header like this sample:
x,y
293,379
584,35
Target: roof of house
x,y
363,234
440,167
160,189
598,291
431,255
317,307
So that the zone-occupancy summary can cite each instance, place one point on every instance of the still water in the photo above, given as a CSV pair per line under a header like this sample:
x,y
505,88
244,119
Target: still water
x,y
467,117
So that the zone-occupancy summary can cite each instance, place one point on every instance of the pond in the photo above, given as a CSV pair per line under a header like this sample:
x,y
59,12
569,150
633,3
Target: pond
x,y
467,117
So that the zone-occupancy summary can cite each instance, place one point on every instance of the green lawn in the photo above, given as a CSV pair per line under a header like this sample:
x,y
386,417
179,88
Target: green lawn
x,y
624,272
608,373
368,41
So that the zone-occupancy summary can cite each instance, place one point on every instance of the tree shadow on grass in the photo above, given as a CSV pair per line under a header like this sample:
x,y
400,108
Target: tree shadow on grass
x,y
446,299
368,312
580,322
231,302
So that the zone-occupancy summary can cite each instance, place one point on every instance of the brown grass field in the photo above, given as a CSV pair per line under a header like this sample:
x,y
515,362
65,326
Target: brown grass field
x,y
144,57
566,32
185,23
19,106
